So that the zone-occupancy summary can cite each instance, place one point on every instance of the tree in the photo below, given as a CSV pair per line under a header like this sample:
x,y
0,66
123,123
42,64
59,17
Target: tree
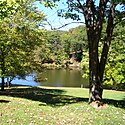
x,y
114,74
52,50
20,37
6,9
95,14
115,68
74,40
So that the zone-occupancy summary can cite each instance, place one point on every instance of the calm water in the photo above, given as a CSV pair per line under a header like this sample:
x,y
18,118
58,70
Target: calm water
x,y
63,78
56,78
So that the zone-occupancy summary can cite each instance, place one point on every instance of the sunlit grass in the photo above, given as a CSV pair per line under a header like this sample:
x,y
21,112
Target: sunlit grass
x,y
59,106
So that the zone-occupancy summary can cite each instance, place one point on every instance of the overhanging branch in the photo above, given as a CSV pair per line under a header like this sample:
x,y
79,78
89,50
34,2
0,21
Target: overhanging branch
x,y
52,28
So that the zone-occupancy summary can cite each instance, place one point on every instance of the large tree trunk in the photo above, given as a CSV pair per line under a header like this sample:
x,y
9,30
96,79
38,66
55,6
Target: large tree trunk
x,y
97,67
96,89
94,20
94,23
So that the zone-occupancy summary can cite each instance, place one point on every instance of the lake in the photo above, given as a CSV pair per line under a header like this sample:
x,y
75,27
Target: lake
x,y
56,78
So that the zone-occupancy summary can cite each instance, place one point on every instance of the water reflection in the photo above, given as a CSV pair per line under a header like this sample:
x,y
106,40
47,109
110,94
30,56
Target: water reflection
x,y
29,81
63,78
56,78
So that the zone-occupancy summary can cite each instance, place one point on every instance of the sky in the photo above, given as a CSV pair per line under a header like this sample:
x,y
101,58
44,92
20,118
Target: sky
x,y
55,21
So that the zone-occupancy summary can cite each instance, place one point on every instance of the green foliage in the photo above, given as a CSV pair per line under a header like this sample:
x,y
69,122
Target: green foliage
x,y
78,38
59,45
74,40
52,50
5,8
20,37
85,64
115,69
9,7
49,3
66,42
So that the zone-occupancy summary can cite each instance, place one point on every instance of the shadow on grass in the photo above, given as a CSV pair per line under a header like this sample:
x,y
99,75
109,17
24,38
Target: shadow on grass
x,y
116,103
53,97
4,101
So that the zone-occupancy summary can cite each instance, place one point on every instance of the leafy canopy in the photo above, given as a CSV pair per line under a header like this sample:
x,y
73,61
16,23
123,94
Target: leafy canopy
x,y
20,37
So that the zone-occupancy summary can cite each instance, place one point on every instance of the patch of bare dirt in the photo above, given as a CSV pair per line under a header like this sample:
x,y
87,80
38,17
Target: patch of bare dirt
x,y
98,105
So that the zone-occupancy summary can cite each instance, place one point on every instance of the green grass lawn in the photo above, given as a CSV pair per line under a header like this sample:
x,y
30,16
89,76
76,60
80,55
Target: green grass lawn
x,y
59,106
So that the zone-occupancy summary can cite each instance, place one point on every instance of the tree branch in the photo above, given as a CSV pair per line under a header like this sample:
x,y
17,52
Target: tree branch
x,y
80,5
63,25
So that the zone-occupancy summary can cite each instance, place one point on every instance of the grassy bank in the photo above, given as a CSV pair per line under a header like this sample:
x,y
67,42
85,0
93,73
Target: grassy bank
x,y
59,106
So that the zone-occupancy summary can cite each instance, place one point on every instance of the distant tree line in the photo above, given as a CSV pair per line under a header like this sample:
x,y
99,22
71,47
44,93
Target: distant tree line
x,y
76,39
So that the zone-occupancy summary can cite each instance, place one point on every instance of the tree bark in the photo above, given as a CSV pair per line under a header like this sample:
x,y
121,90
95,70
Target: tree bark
x,y
108,38
94,20
2,86
2,68
94,28
96,89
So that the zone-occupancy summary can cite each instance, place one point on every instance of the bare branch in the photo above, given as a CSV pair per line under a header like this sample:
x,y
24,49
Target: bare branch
x,y
52,28
80,5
